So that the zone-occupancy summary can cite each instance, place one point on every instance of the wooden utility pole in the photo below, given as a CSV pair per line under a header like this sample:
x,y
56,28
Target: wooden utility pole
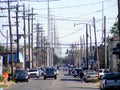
x,y
10,28
32,37
90,40
119,18
24,29
18,36
84,50
29,65
97,55
87,46
105,50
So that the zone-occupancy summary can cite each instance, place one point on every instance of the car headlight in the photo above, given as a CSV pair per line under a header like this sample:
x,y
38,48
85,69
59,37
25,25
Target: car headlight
x,y
26,77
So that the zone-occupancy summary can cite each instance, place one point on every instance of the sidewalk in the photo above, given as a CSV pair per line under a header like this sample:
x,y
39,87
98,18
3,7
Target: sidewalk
x,y
6,85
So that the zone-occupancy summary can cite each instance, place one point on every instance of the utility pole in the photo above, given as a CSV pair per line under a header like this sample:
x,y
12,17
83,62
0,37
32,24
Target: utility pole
x,y
119,18
39,45
105,50
29,65
32,37
81,52
24,29
10,28
97,55
17,30
30,34
48,49
91,51
87,46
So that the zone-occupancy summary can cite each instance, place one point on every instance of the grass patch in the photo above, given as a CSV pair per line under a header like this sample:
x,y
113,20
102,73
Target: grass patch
x,y
3,85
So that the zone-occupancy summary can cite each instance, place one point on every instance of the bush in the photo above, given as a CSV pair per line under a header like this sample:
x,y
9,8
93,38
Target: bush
x,y
6,69
1,78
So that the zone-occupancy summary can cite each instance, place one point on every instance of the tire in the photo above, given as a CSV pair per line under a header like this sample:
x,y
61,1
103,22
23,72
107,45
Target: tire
x,y
74,76
44,77
37,77
55,77
85,80
27,80
16,81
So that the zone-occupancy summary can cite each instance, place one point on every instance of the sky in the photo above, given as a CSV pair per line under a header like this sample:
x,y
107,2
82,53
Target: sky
x,y
66,14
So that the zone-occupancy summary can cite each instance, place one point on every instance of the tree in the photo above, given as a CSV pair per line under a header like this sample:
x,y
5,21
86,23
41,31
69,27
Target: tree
x,y
114,29
1,48
55,59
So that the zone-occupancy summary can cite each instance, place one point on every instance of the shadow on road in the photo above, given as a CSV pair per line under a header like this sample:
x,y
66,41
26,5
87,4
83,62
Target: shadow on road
x,y
70,79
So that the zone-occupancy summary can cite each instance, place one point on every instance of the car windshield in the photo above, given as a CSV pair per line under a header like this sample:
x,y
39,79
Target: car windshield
x,y
33,70
92,73
111,76
20,71
50,69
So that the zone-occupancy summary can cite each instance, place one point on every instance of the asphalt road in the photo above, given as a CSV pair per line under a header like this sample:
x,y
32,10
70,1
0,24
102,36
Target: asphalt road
x,y
63,82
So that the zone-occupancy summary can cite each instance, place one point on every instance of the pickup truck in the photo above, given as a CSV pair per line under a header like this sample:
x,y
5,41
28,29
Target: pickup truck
x,y
110,81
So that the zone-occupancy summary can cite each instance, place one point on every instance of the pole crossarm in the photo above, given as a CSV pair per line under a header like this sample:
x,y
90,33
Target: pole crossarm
x,y
39,0
82,23
3,1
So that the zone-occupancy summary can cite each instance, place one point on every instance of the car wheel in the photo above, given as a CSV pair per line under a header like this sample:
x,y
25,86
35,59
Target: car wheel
x,y
37,77
16,81
85,80
27,80
74,76
102,88
44,77
55,77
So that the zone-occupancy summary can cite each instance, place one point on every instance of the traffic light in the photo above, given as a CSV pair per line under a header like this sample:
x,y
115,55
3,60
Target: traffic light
x,y
116,50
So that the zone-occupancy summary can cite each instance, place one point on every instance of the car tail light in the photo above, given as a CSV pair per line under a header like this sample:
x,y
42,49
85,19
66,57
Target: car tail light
x,y
88,76
96,76
105,82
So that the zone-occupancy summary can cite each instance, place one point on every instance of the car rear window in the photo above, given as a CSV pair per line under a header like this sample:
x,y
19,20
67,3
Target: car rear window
x,y
32,70
111,76
50,69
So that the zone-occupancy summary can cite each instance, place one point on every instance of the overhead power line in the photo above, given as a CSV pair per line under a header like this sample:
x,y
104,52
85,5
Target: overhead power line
x,y
39,0
72,33
88,4
2,34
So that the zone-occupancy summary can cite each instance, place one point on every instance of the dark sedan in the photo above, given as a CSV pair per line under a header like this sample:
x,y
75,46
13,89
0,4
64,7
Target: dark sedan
x,y
50,73
21,75
110,81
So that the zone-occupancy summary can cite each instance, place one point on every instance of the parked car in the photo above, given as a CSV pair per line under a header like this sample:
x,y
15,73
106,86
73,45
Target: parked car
x,y
50,73
110,81
90,76
41,71
86,71
103,71
57,71
21,75
76,72
34,73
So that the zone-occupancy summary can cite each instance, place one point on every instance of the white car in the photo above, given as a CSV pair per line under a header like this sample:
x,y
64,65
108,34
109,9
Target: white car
x,y
110,81
32,73
90,76
103,71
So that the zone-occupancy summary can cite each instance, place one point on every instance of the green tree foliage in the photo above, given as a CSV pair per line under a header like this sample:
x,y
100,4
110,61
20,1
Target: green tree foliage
x,y
1,48
114,29
55,59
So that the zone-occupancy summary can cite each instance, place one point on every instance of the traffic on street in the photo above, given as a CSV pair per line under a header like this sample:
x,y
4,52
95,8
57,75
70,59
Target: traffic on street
x,y
59,44
63,82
